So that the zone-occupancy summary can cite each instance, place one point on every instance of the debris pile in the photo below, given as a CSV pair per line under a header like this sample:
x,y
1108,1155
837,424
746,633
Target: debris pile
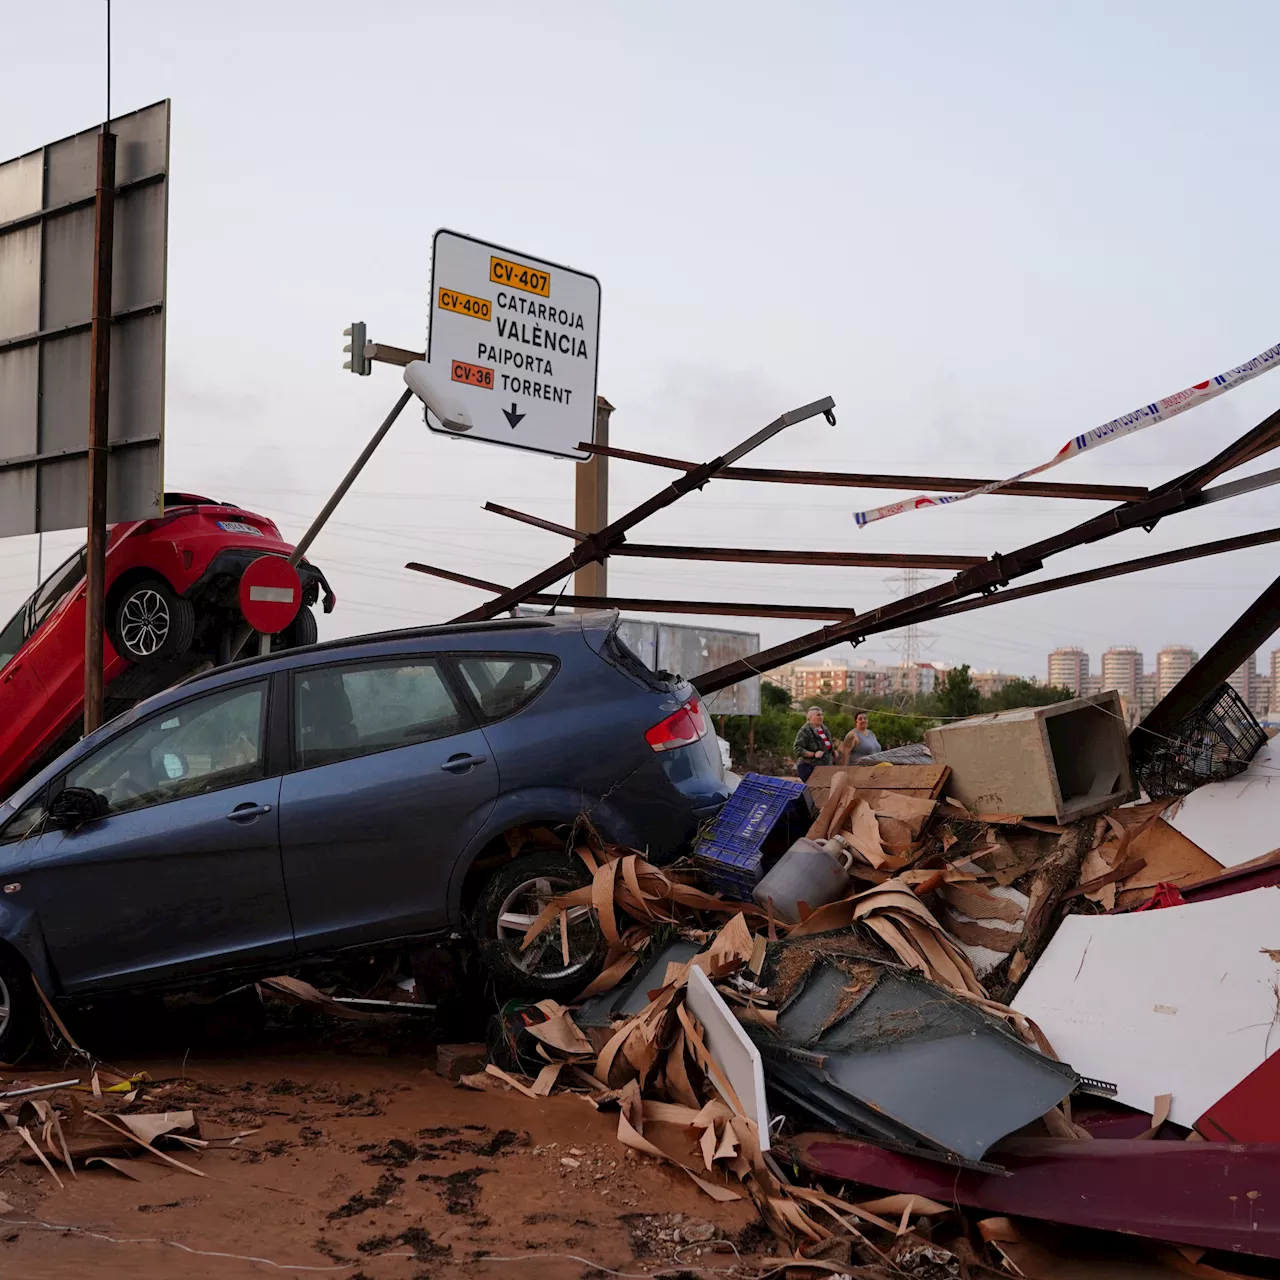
x,y
101,1122
998,1014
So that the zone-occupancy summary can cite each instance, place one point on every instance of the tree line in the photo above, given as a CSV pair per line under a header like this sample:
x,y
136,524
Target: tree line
x,y
894,722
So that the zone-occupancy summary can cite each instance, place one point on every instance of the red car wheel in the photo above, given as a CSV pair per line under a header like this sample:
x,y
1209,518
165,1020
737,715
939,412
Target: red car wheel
x,y
152,622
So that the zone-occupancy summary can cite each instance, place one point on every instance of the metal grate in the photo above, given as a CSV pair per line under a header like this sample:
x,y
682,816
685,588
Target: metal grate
x,y
1215,742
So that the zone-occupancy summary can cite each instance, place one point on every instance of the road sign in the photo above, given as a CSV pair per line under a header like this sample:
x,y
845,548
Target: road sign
x,y
518,340
46,314
270,594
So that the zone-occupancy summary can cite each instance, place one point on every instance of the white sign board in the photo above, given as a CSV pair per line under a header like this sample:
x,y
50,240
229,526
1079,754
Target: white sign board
x,y
518,339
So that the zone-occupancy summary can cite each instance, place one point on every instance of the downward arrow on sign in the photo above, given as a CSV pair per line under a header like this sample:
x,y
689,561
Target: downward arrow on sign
x,y
512,416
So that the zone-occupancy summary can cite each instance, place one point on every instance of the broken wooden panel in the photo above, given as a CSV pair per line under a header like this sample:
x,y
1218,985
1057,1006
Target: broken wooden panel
x,y
1064,761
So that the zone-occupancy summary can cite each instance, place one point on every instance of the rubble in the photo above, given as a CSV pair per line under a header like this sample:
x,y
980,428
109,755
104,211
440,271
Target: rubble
x,y
1002,1014
882,1017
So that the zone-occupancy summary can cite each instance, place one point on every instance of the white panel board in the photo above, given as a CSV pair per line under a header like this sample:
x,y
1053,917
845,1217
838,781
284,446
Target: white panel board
x,y
1237,820
1181,1000
731,1047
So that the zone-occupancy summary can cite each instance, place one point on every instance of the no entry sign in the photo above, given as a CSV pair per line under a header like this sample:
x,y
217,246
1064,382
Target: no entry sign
x,y
270,594
517,338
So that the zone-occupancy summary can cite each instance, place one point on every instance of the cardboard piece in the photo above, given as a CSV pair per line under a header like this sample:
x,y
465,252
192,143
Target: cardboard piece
x,y
1168,858
1178,1001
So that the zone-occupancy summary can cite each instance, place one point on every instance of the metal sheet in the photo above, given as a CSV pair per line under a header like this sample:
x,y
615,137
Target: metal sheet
x,y
19,282
1209,1194
46,297
903,1039
20,186
642,639
689,651
627,1001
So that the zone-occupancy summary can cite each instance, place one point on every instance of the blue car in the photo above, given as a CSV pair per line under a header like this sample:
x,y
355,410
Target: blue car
x,y
363,795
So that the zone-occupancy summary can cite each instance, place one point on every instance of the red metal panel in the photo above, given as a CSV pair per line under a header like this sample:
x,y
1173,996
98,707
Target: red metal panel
x,y
1248,1113
1196,1193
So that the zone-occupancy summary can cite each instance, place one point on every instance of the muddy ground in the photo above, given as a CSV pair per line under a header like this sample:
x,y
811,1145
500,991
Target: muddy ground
x,y
366,1165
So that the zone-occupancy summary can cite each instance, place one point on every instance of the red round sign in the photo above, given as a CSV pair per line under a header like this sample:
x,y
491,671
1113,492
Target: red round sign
x,y
270,594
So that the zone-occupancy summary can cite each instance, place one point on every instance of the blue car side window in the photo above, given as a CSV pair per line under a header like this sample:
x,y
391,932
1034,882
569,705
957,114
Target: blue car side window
x,y
196,747
355,710
502,683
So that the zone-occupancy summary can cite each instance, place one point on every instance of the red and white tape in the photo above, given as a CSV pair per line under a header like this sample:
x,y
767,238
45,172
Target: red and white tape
x,y
1147,416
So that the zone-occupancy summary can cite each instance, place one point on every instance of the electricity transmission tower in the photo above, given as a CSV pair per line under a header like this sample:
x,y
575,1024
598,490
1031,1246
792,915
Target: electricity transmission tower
x,y
912,639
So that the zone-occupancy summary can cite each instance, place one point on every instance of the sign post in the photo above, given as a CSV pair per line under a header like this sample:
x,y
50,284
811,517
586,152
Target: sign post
x,y
99,400
517,339
591,505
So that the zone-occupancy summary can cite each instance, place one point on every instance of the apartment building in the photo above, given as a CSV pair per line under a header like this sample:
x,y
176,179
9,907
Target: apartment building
x,y
1069,668
1122,670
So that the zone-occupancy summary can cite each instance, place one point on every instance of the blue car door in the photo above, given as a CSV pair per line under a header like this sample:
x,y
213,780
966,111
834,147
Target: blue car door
x,y
389,781
183,873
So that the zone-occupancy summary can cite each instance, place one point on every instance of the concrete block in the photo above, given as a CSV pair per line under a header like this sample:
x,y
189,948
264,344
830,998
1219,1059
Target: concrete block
x,y
455,1060
1064,761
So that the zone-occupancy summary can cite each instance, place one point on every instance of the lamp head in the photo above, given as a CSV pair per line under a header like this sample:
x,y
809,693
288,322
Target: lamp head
x,y
438,395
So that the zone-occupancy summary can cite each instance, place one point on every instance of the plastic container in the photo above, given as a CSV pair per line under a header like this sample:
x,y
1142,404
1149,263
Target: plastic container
x,y
814,872
763,815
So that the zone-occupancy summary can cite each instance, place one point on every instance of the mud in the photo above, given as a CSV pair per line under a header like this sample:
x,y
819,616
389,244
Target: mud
x,y
366,1163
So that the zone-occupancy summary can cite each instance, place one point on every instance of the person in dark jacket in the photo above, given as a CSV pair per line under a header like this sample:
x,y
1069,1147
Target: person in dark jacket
x,y
813,745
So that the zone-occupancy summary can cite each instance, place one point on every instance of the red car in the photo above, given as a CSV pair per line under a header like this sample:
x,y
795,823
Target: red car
x,y
172,608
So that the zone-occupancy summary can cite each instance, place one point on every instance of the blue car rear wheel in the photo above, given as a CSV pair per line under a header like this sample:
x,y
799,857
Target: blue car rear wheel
x,y
512,900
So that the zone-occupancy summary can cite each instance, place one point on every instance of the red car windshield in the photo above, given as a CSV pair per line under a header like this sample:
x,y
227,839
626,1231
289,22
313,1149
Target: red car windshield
x,y
37,607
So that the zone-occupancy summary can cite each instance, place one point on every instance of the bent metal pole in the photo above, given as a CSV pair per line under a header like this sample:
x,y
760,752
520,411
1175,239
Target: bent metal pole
x,y
339,493
597,546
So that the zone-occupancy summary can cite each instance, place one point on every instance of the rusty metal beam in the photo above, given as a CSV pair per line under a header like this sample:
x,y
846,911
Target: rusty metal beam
x,y
740,555
1179,494
537,521
870,480
708,607
747,555
598,545
1250,631
1119,569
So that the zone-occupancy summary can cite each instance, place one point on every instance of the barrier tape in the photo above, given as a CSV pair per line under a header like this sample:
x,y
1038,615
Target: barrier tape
x,y
1147,416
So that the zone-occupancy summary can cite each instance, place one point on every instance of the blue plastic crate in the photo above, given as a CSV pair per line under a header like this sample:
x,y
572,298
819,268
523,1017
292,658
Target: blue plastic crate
x,y
733,873
733,854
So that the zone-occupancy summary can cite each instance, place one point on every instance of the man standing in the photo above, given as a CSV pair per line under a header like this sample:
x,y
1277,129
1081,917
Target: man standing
x,y
813,745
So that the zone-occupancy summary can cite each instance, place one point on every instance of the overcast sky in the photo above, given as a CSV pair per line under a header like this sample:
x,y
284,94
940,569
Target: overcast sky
x,y
981,228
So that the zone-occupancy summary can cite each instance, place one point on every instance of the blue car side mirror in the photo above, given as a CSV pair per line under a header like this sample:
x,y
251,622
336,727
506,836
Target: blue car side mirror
x,y
72,807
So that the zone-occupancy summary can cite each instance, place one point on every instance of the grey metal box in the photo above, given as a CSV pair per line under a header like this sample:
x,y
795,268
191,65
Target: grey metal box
x,y
1064,761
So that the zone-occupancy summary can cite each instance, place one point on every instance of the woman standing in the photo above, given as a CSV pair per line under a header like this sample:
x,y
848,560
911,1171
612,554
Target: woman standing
x,y
859,741
813,745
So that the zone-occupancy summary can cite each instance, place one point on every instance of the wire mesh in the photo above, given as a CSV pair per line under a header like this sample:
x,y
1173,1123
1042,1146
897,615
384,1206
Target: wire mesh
x,y
1215,742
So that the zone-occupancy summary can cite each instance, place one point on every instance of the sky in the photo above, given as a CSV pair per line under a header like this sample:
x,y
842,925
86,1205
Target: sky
x,y
982,229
